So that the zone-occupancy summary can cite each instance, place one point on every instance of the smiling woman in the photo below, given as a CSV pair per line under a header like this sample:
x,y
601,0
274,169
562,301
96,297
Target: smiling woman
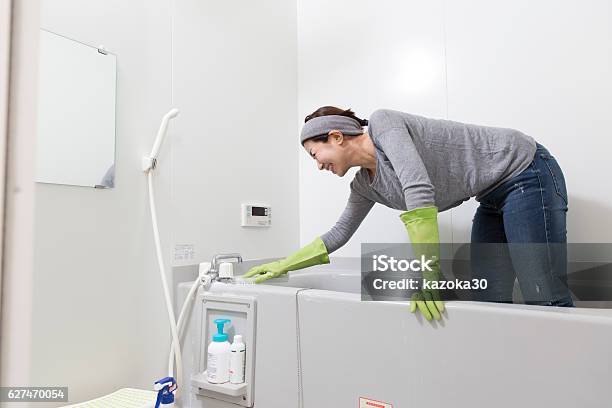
x,y
423,166
349,145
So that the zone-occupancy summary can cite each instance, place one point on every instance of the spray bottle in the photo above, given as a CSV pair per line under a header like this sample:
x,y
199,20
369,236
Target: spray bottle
x,y
165,392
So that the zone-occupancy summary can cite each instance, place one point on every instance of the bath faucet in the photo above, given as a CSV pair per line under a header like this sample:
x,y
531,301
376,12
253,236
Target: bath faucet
x,y
214,265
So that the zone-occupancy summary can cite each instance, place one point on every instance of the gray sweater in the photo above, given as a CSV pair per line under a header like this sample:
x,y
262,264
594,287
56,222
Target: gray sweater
x,y
423,162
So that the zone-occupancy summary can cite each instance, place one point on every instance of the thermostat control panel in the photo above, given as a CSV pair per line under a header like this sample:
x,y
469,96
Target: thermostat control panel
x,y
256,215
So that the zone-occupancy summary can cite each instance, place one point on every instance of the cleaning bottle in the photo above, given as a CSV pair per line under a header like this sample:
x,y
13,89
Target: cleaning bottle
x,y
237,360
165,392
217,366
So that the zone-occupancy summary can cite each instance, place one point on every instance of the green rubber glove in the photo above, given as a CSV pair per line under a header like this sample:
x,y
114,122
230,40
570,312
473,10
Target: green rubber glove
x,y
312,254
422,227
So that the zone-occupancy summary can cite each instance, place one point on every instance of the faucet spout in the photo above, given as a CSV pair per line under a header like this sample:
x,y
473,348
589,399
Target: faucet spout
x,y
214,267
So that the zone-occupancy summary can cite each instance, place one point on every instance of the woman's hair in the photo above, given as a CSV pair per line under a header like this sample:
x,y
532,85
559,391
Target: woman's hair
x,y
332,110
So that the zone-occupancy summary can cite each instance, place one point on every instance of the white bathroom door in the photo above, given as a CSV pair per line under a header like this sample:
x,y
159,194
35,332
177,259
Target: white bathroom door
x,y
5,49
19,28
5,42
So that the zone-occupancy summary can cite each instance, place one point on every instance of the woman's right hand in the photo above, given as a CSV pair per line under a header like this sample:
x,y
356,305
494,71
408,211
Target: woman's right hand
x,y
266,271
312,254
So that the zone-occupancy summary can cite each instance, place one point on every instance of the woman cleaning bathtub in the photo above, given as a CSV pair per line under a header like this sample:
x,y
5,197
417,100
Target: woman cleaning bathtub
x,y
423,166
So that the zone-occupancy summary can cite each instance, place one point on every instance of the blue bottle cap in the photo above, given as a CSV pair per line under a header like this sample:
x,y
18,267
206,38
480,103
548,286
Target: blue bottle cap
x,y
220,336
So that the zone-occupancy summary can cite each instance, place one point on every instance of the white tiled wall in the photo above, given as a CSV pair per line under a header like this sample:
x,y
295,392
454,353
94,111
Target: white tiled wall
x,y
234,79
231,70
365,55
540,67
96,282
544,68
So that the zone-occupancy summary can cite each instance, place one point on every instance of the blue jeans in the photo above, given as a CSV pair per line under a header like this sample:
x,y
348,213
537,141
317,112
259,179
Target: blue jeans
x,y
525,219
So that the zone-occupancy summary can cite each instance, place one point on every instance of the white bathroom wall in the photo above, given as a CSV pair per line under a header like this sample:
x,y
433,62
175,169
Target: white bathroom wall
x,y
234,79
541,67
99,319
365,55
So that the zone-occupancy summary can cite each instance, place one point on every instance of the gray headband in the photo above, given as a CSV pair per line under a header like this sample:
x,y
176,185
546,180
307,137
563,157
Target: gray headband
x,y
322,125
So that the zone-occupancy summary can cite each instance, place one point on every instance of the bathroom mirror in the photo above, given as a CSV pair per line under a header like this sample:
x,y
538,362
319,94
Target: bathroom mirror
x,y
76,113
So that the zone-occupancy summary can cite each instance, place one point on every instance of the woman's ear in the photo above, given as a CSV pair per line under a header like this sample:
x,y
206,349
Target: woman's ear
x,y
336,136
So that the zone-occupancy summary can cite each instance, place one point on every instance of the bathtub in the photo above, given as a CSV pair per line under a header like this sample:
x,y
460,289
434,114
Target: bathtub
x,y
316,344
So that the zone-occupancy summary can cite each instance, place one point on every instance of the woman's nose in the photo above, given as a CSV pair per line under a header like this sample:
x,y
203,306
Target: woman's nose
x,y
320,165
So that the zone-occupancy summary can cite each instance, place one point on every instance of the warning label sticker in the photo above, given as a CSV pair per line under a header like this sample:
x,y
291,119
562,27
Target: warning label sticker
x,y
371,403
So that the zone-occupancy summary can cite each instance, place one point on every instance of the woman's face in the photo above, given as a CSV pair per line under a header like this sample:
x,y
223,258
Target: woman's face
x,y
330,155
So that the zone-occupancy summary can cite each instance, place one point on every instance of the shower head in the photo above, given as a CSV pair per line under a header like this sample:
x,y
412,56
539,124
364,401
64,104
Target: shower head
x,y
149,162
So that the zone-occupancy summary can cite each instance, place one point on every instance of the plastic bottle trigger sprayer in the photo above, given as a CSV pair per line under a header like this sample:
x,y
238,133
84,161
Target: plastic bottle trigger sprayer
x,y
165,392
